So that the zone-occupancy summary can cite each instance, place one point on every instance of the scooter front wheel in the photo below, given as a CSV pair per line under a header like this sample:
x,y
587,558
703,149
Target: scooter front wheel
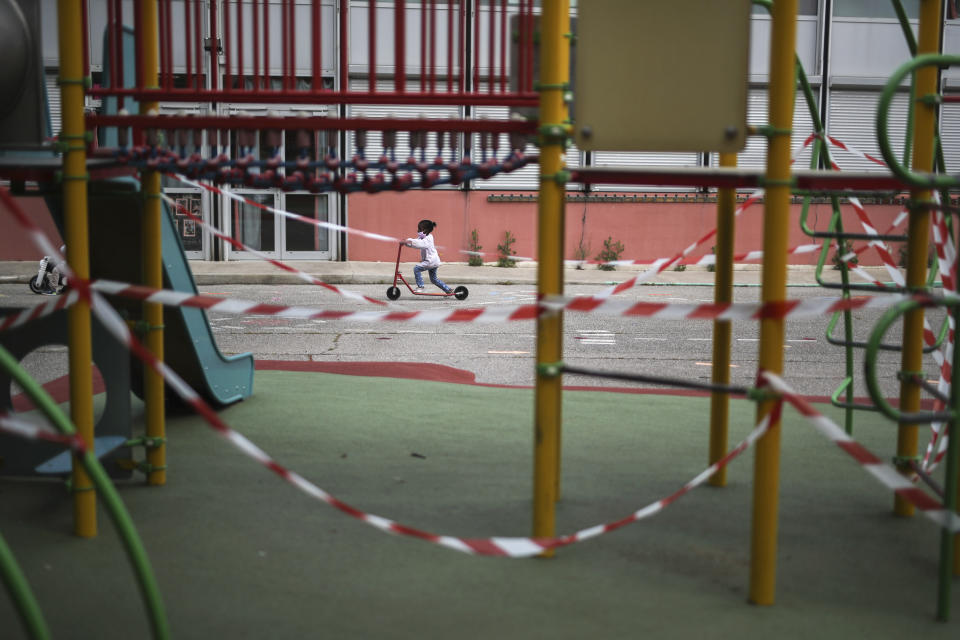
x,y
35,285
461,293
393,293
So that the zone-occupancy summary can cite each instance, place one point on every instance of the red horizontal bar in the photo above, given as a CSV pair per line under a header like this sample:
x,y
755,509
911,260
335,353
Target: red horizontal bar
x,y
315,123
321,97
737,178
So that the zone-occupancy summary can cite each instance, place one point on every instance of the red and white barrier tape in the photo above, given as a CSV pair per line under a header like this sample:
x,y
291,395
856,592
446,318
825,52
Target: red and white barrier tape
x,y
379,237
33,431
353,295
885,474
496,546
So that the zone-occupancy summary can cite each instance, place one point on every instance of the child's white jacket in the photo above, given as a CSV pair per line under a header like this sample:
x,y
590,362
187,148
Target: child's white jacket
x,y
428,253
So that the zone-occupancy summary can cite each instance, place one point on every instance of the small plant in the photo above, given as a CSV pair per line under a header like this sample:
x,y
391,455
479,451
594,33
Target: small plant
x,y
680,267
611,251
505,251
580,254
713,265
842,250
475,260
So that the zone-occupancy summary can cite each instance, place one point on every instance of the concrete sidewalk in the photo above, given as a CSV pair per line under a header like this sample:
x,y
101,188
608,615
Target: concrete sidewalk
x,y
525,273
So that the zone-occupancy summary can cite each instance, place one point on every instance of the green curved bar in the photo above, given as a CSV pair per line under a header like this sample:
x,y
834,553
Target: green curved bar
x,y
870,362
921,181
23,598
146,580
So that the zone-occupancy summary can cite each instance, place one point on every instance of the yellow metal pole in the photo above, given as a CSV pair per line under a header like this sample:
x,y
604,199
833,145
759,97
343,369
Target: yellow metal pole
x,y
69,26
554,66
918,230
152,259
722,293
766,476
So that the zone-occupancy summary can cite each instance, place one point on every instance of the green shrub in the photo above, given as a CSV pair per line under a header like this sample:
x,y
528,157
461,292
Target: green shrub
x,y
611,251
475,260
505,251
842,250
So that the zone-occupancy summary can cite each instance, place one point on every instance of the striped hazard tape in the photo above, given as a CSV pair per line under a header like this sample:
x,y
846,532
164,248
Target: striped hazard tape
x,y
259,254
804,308
496,546
33,431
884,473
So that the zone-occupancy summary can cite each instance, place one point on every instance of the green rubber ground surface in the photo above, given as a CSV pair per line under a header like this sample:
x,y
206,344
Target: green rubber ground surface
x,y
238,553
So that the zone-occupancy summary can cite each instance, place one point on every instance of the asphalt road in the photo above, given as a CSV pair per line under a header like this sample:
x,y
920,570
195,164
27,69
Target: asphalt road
x,y
504,353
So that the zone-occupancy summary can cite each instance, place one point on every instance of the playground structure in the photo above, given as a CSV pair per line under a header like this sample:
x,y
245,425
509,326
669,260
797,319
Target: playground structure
x,y
152,144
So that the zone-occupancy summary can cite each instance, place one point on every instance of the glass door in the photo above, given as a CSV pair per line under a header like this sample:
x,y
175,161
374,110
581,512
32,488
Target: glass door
x,y
302,241
252,225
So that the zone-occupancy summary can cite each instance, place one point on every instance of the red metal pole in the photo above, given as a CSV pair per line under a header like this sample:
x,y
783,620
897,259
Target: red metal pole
x,y
462,42
476,46
112,47
315,45
400,47
433,46
168,44
372,62
521,36
240,49
227,82
264,82
344,48
198,42
188,31
449,46
214,54
491,44
423,49
529,46
292,42
284,50
256,45
503,46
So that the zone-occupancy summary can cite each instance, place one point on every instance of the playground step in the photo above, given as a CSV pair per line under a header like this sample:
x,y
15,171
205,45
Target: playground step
x,y
60,463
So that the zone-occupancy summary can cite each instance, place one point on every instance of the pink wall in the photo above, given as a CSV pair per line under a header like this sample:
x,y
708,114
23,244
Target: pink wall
x,y
648,230
16,245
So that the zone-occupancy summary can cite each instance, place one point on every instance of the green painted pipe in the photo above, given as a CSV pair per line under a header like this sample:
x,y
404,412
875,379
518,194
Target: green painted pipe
x,y
149,590
23,598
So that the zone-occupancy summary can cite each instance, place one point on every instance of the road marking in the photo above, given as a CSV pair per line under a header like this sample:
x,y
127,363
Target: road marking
x,y
803,340
748,339
709,364
652,339
509,353
595,341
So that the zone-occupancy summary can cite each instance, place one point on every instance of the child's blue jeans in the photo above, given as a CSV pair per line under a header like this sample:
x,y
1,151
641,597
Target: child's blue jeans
x,y
418,274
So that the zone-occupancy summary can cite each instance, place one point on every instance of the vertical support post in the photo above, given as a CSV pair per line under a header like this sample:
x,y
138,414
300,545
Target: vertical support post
x,y
69,23
152,261
949,540
722,329
766,478
555,70
918,231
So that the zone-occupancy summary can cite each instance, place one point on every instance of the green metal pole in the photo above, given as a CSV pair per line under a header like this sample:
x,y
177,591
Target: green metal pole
x,y
948,539
23,598
149,590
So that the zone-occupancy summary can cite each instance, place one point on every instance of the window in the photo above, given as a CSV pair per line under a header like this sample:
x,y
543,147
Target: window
x,y
874,9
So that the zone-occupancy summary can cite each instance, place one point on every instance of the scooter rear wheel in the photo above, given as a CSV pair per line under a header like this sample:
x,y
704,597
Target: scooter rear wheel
x,y
461,293
35,286
393,293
